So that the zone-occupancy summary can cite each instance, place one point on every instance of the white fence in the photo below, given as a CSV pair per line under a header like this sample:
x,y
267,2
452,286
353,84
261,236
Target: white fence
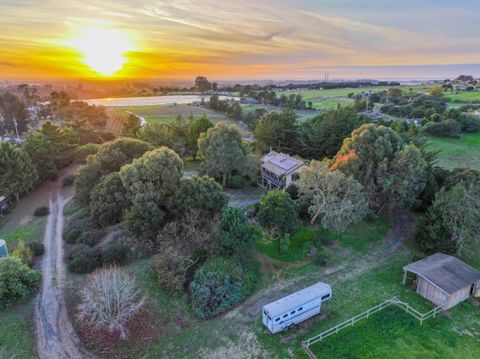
x,y
393,301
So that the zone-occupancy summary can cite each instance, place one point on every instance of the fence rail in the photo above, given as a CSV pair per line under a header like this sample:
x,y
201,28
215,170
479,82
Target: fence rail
x,y
350,322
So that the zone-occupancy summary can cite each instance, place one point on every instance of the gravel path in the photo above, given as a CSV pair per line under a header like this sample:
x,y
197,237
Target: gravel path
x,y
56,337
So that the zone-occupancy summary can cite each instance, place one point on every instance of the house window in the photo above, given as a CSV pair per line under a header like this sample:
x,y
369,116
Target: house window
x,y
295,176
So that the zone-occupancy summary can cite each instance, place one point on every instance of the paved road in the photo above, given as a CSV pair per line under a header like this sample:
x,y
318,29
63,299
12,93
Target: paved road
x,y
56,338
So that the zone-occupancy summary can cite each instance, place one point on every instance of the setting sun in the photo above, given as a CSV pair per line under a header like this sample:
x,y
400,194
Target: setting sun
x,y
103,50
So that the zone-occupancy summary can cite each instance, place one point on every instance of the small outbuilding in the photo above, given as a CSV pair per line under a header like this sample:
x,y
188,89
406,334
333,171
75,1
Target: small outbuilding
x,y
444,280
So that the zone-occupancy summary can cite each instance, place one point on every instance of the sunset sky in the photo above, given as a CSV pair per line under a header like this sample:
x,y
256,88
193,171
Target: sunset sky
x,y
237,39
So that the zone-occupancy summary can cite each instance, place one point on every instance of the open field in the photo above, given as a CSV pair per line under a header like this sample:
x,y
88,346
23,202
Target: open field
x,y
331,98
16,331
165,114
168,113
462,152
464,96
358,237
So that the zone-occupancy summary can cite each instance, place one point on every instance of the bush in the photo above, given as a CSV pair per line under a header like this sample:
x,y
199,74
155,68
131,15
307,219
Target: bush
x,y
24,253
115,253
80,226
284,244
84,259
170,271
37,248
108,200
17,281
41,211
90,237
447,128
82,152
292,191
219,284
278,212
109,299
68,180
236,182
235,233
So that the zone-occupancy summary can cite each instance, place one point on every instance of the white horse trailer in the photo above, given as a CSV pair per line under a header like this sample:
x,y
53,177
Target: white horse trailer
x,y
295,308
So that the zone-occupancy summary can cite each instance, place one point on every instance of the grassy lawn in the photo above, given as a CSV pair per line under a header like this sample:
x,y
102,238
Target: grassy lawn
x,y
28,232
358,237
168,113
462,152
388,334
16,331
466,96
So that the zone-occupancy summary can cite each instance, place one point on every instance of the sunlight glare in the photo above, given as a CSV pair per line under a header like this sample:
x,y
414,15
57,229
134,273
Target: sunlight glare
x,y
102,49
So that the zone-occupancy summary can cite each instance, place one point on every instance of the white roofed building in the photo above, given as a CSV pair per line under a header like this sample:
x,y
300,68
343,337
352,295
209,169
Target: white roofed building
x,y
279,170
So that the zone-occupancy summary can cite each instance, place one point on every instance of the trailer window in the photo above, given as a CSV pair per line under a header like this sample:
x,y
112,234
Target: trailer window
x,y
301,308
326,297
285,315
292,312
277,319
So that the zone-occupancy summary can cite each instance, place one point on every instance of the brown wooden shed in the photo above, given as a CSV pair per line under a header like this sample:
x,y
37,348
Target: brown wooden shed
x,y
444,280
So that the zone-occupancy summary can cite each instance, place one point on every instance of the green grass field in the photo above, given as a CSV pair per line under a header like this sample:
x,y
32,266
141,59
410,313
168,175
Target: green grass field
x,y
358,237
331,98
32,231
16,332
168,113
462,152
464,96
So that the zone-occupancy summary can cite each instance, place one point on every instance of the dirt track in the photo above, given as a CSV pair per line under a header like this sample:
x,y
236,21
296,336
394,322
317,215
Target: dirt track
x,y
56,337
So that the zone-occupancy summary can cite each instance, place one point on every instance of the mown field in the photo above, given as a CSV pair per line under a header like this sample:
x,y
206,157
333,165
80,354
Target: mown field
x,y
331,98
164,114
462,152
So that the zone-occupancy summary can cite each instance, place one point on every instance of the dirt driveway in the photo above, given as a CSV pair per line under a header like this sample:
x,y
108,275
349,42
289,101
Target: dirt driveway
x,y
56,337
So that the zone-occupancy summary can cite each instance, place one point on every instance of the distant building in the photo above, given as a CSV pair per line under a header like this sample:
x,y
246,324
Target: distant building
x,y
279,170
444,280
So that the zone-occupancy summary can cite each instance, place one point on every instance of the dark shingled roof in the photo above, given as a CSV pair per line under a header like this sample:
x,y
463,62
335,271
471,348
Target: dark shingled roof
x,y
445,272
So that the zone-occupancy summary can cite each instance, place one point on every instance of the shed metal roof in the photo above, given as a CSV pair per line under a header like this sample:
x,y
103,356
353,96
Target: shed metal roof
x,y
447,273
296,299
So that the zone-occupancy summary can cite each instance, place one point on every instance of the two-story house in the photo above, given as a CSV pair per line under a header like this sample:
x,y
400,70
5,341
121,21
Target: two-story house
x,y
279,170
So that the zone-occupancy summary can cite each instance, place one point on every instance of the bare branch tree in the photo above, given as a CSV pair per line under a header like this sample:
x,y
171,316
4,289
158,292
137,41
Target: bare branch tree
x,y
109,298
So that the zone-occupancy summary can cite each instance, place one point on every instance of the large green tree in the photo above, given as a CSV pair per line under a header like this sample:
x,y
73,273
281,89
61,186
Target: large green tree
x,y
222,151
197,127
278,212
331,197
43,153
277,130
13,113
17,171
322,136
377,157
151,181
108,200
109,158
202,194
452,223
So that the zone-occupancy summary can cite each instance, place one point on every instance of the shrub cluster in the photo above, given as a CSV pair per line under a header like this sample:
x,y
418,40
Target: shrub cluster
x,y
86,259
17,281
219,284
41,211
68,180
